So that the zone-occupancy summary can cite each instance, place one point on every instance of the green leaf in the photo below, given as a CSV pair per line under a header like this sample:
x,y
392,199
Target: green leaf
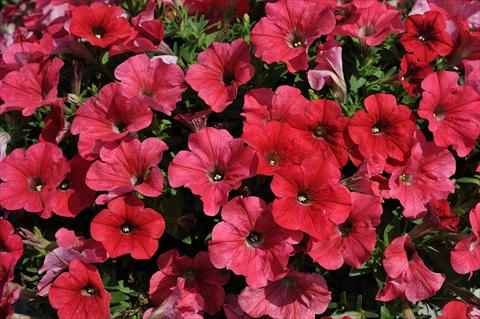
x,y
385,313
468,180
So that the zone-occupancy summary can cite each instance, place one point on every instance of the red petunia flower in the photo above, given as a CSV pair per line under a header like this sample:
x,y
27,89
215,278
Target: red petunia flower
x,y
154,82
425,36
384,127
457,309
215,164
451,110
297,295
368,179
440,216
79,293
263,105
220,71
412,73
407,275
466,44
126,227
465,256
10,243
310,197
30,178
196,275
472,73
278,145
323,126
31,87
352,241
129,166
249,243
372,24
56,126
99,24
289,29
110,117
423,177
9,294
217,10
195,121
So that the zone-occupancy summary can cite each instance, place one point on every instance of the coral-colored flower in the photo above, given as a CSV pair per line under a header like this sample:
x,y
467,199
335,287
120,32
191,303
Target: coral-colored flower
x,y
263,105
368,179
412,73
126,227
221,69
215,164
196,275
10,243
407,275
352,241
79,293
110,117
310,197
99,24
297,295
323,126
249,243
466,45
457,309
465,256
385,127
372,24
30,177
129,166
423,177
425,36
440,216
217,10
289,29
278,145
154,82
31,87
451,110
472,73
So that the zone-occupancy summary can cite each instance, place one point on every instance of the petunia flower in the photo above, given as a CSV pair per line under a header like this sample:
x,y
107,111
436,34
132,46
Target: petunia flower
x,y
32,86
9,294
407,275
56,126
79,293
129,166
99,24
384,127
10,243
127,227
108,118
472,73
30,177
451,110
220,71
425,36
195,121
310,197
457,309
216,164
217,10
412,73
289,29
196,275
232,309
249,243
465,256
466,44
352,241
154,82
297,295
368,178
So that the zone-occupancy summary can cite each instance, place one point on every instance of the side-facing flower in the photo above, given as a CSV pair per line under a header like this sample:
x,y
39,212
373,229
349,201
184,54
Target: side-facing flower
x,y
10,243
412,72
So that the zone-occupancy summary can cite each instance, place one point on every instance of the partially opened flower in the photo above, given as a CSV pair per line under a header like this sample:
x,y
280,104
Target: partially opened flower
x,y
216,164
79,293
156,83
195,121
457,309
127,227
10,243
9,294
368,179
297,295
440,216
99,24
451,110
289,29
412,72
56,126
249,243
407,275
30,177
129,166
310,197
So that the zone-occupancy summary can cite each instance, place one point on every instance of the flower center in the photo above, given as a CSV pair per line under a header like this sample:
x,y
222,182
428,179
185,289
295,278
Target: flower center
x,y
254,239
406,178
296,39
319,131
289,282
367,30
126,228
345,228
422,38
216,176
410,251
90,291
65,185
36,184
303,198
228,78
188,275
99,31
272,158
439,113
140,177
118,127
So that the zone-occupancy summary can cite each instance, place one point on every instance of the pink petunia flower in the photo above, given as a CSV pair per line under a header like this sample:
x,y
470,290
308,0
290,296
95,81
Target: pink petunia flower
x,y
297,295
9,294
30,177
310,197
220,71
289,29
216,164
451,110
457,309
407,275
156,83
472,73
196,275
217,10
79,293
127,227
249,243
129,166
